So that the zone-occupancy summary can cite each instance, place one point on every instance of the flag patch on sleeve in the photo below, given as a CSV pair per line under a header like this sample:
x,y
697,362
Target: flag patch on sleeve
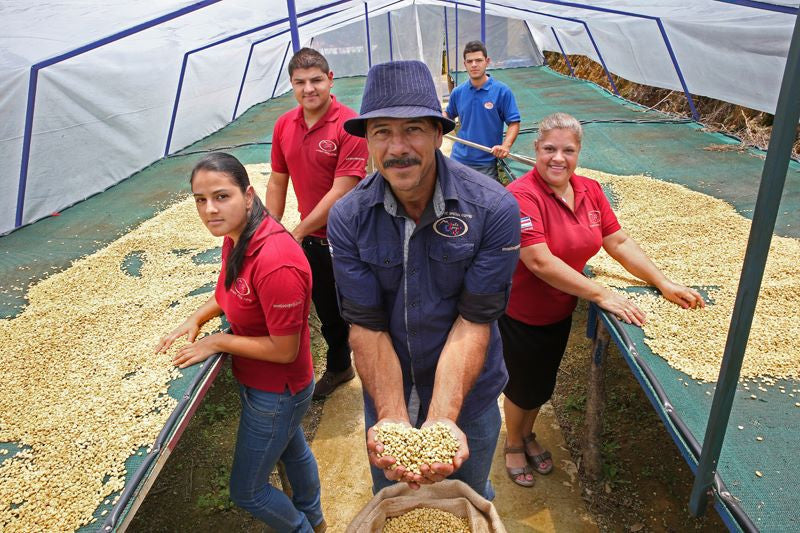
x,y
525,223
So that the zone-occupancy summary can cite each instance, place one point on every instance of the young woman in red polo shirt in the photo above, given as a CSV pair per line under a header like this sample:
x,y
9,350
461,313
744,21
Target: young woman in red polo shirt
x,y
264,289
565,219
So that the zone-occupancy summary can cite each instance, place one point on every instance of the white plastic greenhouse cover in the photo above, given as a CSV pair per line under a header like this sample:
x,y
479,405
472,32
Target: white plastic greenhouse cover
x,y
101,115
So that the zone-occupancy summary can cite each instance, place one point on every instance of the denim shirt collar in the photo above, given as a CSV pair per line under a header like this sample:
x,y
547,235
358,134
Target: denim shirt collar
x,y
394,208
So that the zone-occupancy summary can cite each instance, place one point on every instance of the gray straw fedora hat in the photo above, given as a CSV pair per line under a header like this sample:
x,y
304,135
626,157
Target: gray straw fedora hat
x,y
398,89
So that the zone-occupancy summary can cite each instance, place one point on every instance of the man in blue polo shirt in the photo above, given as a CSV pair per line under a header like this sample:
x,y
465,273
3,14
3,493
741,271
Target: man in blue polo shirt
x,y
423,252
483,105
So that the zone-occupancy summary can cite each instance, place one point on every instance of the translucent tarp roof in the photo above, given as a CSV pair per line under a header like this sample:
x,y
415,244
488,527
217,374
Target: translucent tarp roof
x,y
98,117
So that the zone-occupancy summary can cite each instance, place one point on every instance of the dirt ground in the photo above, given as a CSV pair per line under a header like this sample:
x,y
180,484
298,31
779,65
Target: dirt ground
x,y
646,485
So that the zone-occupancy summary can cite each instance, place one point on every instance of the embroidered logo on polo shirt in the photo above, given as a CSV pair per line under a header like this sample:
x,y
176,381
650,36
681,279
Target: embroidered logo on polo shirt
x,y
242,290
488,105
594,218
327,146
450,227
525,223
240,287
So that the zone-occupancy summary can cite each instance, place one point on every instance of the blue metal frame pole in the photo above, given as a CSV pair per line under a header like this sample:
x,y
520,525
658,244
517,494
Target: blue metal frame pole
x,y
280,70
563,53
763,5
602,62
369,44
33,83
293,25
446,41
661,29
231,38
389,22
689,99
241,85
773,177
455,76
483,22
182,74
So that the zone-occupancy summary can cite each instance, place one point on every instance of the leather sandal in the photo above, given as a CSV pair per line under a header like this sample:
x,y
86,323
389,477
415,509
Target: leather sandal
x,y
537,460
518,474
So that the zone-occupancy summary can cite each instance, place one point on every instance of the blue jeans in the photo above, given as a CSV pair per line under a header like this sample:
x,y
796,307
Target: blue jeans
x,y
482,432
269,430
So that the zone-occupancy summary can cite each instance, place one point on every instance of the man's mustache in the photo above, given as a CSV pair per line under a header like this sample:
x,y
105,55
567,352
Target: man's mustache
x,y
403,162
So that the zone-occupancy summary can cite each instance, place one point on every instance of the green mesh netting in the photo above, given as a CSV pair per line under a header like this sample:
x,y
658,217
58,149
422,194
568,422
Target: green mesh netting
x,y
50,245
623,138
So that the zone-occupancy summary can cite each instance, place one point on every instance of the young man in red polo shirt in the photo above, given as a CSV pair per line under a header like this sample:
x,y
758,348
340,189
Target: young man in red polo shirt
x,y
324,162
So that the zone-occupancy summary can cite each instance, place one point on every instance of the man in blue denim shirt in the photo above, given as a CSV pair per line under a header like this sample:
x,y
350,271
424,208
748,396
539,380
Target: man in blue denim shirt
x,y
423,253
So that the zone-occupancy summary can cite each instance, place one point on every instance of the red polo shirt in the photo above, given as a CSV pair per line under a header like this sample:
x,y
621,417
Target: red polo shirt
x,y
574,237
271,296
315,157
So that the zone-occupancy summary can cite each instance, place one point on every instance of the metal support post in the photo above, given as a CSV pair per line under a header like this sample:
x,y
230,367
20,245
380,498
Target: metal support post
x,y
293,25
563,53
483,22
369,44
446,41
773,178
455,74
389,22
595,402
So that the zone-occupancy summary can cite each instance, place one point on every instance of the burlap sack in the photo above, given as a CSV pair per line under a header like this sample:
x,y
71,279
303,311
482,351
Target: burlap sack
x,y
450,495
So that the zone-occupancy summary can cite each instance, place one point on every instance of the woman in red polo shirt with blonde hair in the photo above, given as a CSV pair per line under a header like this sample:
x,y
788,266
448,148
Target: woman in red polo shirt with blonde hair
x,y
264,289
565,219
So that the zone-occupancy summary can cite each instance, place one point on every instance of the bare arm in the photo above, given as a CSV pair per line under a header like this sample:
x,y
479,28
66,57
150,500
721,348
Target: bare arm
x,y
502,150
540,260
627,252
379,369
276,349
382,378
459,365
318,217
191,326
277,186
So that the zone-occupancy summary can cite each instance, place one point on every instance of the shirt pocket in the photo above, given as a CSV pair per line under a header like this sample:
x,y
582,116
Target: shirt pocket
x,y
386,262
449,263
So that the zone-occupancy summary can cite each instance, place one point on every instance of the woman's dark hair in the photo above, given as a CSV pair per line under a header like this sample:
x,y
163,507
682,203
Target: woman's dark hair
x,y
227,164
